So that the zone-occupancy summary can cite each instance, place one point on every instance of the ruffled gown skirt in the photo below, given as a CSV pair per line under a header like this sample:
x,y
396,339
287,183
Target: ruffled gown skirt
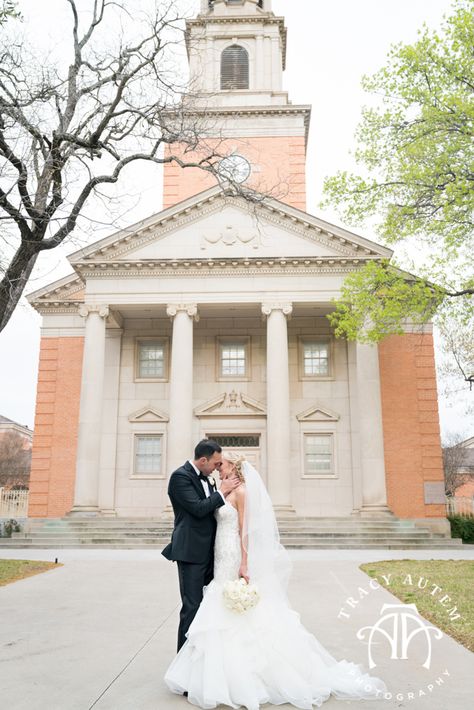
x,y
264,655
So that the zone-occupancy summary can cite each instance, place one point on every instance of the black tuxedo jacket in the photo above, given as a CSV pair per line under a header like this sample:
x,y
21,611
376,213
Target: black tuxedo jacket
x,y
194,523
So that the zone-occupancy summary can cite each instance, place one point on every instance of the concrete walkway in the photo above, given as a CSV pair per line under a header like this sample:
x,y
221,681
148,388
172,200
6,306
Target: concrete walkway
x,y
99,632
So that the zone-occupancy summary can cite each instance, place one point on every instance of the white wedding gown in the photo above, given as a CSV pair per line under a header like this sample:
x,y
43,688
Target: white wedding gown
x,y
264,655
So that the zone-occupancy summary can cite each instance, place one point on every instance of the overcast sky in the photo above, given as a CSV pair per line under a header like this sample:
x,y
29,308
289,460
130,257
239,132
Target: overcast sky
x,y
330,46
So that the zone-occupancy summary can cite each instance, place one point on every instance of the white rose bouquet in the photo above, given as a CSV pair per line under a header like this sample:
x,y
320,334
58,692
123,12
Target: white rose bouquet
x,y
240,596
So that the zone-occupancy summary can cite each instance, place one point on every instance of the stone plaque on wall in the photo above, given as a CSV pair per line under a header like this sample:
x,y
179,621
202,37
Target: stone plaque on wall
x,y
434,492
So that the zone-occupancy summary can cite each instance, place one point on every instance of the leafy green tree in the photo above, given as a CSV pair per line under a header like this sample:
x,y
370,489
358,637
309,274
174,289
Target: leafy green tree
x,y
416,154
8,10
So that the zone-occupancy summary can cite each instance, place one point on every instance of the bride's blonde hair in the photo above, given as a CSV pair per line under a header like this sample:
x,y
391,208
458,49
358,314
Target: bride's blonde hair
x,y
237,460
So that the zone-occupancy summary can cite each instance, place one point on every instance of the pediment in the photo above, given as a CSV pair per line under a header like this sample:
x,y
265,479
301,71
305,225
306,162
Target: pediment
x,y
318,413
71,288
147,415
214,225
236,404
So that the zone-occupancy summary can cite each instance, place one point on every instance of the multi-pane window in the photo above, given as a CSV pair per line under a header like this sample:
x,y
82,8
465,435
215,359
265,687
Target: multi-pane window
x,y
316,358
234,68
151,360
233,359
318,454
148,454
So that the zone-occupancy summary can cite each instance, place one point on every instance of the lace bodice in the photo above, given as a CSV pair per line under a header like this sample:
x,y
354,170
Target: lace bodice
x,y
227,552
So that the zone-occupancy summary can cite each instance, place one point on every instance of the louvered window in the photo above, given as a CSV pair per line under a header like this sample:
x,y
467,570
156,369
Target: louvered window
x,y
235,68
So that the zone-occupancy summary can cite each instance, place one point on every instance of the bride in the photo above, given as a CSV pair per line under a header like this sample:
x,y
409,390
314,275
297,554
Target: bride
x,y
264,655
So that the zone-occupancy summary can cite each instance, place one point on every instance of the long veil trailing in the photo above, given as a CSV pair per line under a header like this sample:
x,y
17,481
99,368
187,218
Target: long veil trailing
x,y
269,564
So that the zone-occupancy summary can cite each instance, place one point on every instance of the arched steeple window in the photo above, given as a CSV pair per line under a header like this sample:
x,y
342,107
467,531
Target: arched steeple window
x,y
234,68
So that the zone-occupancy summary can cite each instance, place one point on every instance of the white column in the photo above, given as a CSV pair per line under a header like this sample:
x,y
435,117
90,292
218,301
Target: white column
x,y
278,405
259,68
90,413
108,454
374,491
180,428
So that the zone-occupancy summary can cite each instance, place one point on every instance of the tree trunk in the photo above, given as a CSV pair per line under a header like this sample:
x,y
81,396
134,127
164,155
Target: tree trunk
x,y
15,279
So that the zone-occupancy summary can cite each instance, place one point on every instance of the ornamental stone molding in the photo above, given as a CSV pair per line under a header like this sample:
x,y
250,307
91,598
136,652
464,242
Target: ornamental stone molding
x,y
85,309
120,244
223,267
148,415
234,404
285,308
318,413
190,309
230,236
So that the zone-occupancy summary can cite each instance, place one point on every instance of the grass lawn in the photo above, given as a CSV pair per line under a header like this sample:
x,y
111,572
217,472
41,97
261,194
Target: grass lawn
x,y
12,570
454,577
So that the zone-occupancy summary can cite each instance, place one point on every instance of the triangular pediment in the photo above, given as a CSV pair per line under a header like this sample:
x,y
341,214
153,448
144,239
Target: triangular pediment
x,y
70,288
215,225
318,413
231,404
147,415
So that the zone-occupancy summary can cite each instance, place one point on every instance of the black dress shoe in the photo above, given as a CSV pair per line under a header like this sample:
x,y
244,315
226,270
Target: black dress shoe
x,y
185,693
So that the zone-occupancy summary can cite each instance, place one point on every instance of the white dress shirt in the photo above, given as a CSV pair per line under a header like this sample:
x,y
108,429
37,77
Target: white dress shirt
x,y
205,484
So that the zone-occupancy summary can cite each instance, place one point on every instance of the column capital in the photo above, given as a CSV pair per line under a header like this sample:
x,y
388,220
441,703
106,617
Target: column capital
x,y
190,309
285,308
86,308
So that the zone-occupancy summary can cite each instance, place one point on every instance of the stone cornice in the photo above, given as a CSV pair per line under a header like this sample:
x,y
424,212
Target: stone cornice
x,y
56,307
264,18
221,267
59,290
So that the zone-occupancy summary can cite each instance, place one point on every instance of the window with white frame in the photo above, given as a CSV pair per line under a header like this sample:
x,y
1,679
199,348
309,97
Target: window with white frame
x,y
151,359
148,455
233,358
316,356
319,454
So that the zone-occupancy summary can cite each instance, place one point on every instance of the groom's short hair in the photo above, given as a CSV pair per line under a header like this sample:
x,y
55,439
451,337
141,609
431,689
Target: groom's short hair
x,y
206,448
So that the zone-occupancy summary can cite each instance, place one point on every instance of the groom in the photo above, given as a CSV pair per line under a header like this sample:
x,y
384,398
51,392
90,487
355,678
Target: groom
x,y
194,498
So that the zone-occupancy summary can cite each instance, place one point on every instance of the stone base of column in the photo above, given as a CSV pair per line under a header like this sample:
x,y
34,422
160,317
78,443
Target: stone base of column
x,y
282,510
83,511
375,511
108,513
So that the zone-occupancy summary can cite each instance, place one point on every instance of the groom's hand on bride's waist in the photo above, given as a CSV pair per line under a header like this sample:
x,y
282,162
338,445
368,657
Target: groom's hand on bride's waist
x,y
229,484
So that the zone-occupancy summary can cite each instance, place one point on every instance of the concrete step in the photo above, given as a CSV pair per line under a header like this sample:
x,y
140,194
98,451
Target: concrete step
x,y
295,545
287,535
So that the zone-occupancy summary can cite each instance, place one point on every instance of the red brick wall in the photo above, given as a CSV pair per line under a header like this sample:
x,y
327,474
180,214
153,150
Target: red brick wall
x,y
53,465
278,164
411,423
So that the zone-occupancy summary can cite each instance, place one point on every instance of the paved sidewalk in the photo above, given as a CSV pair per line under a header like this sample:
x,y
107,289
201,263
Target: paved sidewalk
x,y
99,632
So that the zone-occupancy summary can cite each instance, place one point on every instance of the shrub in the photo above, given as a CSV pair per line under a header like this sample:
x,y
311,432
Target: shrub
x,y
462,526
10,526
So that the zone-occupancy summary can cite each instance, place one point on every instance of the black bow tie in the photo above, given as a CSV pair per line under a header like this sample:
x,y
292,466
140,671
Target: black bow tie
x,y
203,477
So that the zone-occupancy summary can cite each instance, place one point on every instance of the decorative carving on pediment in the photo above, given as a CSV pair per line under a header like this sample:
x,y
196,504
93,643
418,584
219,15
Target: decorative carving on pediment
x,y
231,404
148,415
318,413
230,236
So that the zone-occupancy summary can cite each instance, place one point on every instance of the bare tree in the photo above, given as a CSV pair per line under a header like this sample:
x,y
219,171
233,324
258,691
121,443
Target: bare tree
x,y
453,461
65,134
15,460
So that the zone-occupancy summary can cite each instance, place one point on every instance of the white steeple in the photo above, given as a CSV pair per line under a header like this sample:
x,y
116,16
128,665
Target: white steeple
x,y
237,51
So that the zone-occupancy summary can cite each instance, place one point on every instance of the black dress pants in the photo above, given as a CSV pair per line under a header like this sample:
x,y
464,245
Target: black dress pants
x,y
192,578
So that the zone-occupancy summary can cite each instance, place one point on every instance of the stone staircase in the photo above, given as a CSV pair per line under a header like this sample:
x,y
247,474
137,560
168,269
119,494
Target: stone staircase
x,y
296,533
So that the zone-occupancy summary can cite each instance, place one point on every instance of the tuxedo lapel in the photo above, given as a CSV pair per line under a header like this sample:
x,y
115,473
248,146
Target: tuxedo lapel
x,y
196,481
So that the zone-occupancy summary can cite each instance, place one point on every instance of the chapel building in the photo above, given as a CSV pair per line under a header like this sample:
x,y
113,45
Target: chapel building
x,y
209,319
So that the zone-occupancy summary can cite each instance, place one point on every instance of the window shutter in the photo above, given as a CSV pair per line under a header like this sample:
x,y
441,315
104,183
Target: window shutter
x,y
235,68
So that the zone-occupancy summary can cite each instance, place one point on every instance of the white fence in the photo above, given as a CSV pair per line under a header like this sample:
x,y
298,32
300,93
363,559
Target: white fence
x,y
460,506
13,504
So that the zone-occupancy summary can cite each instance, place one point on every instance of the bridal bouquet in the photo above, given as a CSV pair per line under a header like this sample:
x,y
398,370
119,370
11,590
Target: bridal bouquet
x,y
240,596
